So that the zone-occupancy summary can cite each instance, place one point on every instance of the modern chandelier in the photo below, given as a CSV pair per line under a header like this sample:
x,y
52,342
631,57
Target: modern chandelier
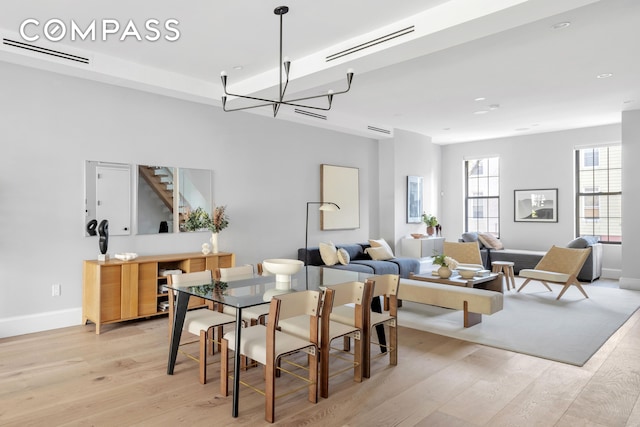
x,y
286,65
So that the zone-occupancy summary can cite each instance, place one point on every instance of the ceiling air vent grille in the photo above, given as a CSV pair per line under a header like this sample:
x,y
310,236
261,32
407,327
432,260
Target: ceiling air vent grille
x,y
376,129
371,43
45,51
310,114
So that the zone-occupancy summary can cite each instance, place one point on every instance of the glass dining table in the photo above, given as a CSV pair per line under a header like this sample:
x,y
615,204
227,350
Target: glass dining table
x,y
250,292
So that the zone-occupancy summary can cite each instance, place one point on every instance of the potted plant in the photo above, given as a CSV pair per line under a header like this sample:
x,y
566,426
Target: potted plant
x,y
446,265
431,221
199,219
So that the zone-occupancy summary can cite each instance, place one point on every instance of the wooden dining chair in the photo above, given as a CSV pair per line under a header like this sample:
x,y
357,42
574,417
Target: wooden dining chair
x,y
267,345
200,322
250,315
358,296
558,265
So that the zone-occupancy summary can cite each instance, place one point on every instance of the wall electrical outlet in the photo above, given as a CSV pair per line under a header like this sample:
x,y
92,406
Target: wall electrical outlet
x,y
55,290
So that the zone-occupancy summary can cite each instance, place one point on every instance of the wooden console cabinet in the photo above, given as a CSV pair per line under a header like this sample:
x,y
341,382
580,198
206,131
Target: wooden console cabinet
x,y
115,291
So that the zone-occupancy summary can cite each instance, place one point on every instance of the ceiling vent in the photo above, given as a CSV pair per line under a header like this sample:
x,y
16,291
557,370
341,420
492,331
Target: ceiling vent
x,y
376,129
371,43
310,114
44,51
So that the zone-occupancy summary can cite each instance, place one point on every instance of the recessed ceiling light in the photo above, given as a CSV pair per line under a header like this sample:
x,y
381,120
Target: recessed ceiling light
x,y
480,99
446,128
561,25
494,106
628,101
481,112
522,129
604,75
238,67
535,124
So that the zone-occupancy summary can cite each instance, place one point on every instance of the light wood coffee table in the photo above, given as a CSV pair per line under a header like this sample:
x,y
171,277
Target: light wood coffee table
x,y
492,282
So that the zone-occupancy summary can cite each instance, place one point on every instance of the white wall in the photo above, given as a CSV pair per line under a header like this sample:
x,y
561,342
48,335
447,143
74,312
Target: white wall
x,y
543,160
631,202
265,170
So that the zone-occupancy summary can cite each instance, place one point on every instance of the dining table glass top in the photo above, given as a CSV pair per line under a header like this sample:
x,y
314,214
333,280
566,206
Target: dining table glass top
x,y
255,290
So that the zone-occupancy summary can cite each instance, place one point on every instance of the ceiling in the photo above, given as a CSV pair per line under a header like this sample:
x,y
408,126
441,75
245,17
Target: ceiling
x,y
531,76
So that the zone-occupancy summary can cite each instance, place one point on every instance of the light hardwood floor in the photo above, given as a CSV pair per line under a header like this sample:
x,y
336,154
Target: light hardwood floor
x,y
72,377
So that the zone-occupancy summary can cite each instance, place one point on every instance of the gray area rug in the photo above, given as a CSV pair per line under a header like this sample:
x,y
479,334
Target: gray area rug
x,y
533,322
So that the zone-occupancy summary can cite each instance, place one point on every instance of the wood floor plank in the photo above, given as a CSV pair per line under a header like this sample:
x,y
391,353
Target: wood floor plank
x,y
73,377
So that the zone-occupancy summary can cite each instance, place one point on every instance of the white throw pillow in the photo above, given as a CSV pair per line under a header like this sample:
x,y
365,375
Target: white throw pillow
x,y
490,241
343,256
379,253
381,243
328,253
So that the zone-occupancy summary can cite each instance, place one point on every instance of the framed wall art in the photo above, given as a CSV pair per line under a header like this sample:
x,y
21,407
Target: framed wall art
x,y
414,199
340,185
536,205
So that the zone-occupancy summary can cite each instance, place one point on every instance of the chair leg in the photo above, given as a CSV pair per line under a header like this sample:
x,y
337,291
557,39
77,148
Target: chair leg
x,y
203,355
524,284
269,393
224,367
324,368
357,359
393,342
313,377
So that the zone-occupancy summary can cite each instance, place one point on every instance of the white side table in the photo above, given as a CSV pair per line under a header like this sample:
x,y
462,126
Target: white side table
x,y
421,248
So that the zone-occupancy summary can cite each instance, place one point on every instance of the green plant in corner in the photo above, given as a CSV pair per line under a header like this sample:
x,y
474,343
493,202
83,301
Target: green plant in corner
x,y
429,219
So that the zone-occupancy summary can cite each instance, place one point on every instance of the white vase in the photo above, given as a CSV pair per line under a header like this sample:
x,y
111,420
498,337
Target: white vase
x,y
444,272
214,243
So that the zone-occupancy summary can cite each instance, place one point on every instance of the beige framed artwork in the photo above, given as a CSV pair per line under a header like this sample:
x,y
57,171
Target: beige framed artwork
x,y
340,185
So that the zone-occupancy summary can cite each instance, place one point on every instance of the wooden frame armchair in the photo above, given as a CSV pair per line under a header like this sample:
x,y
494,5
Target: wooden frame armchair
x,y
267,345
558,265
467,254
200,322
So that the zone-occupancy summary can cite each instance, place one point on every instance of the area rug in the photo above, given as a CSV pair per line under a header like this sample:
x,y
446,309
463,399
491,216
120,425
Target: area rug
x,y
533,322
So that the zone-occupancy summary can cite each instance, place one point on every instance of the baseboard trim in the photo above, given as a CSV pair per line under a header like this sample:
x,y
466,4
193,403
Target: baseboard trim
x,y
630,283
20,325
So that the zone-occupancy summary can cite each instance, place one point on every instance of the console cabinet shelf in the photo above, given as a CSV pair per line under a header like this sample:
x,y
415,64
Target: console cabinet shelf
x,y
116,291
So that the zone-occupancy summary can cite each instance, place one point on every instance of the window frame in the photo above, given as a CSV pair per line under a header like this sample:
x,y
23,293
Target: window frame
x,y
480,201
589,228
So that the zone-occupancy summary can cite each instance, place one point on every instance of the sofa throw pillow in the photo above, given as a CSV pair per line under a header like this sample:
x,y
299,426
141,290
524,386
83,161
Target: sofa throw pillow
x,y
578,243
381,243
343,256
472,236
379,253
328,253
490,241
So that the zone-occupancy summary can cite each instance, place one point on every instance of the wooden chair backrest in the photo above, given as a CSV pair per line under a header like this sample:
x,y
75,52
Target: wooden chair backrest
x,y
197,278
351,293
386,284
234,273
563,260
463,252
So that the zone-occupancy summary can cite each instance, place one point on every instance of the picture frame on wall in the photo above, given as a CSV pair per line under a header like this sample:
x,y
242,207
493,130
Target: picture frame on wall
x,y
414,199
536,205
340,185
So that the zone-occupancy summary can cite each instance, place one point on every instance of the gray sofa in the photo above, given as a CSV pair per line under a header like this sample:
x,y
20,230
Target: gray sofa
x,y
592,269
361,262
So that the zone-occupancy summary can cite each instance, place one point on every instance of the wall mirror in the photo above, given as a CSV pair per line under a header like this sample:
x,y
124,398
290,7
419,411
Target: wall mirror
x,y
107,196
166,194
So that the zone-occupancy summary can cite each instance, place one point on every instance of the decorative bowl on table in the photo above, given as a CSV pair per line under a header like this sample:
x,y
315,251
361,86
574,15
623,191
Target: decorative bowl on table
x,y
417,235
283,269
467,272
126,256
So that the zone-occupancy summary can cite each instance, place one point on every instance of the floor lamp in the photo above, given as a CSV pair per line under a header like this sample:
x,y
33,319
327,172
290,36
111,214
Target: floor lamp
x,y
324,206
